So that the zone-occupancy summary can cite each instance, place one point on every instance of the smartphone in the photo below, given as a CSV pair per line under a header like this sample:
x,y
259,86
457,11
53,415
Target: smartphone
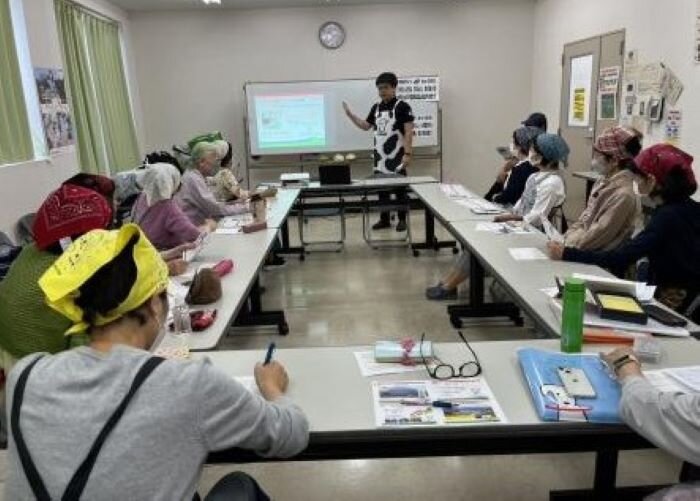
x,y
576,382
665,316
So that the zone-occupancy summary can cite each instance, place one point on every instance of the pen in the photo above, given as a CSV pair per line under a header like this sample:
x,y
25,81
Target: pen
x,y
270,351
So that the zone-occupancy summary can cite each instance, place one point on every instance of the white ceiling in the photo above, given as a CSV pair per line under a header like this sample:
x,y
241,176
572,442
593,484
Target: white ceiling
x,y
149,5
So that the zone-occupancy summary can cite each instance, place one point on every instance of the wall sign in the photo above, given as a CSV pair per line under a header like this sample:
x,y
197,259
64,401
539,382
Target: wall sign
x,y
580,90
55,113
426,88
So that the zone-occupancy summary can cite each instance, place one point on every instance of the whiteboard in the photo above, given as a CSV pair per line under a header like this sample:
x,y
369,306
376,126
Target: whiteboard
x,y
307,117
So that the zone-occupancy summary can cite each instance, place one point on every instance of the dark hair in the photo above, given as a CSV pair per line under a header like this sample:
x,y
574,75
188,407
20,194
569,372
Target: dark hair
x,y
676,187
522,148
387,78
545,161
228,156
633,146
536,119
163,157
110,286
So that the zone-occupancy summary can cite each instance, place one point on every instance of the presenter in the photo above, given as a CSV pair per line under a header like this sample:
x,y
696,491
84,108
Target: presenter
x,y
392,121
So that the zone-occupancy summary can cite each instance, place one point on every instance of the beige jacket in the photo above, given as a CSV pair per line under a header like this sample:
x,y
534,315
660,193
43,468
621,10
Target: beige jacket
x,y
609,217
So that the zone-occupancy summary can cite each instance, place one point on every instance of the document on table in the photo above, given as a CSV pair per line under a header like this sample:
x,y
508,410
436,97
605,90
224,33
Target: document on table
x,y
675,380
233,225
527,254
412,403
643,292
502,228
455,191
369,367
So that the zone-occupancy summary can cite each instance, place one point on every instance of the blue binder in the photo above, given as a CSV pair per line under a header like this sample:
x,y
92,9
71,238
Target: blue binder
x,y
551,399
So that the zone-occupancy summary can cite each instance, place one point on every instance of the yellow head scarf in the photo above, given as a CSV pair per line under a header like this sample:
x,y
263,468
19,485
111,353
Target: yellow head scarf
x,y
62,281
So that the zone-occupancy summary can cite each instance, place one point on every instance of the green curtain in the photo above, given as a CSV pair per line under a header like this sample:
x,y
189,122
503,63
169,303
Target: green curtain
x,y
99,95
15,138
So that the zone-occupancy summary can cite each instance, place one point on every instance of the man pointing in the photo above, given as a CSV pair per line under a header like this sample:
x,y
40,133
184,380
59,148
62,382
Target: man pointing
x,y
392,121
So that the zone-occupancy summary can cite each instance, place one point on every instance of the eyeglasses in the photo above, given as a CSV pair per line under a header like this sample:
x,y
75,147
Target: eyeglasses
x,y
445,371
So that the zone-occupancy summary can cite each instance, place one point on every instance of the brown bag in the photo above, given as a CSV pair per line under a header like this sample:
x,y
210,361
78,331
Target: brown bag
x,y
205,288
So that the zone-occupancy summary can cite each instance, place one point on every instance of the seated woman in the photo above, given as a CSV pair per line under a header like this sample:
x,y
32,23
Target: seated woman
x,y
518,175
671,240
163,417
27,324
613,206
224,183
195,198
159,216
544,190
668,420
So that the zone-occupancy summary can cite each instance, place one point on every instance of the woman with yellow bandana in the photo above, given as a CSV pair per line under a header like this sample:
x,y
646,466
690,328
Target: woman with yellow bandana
x,y
112,285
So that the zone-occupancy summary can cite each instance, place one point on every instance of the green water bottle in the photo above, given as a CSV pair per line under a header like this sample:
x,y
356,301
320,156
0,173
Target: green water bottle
x,y
572,315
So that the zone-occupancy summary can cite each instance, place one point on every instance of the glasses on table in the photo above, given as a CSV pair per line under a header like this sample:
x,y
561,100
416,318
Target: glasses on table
x,y
441,370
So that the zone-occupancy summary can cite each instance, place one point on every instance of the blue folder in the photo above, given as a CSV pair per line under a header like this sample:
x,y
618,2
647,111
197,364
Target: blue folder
x,y
551,400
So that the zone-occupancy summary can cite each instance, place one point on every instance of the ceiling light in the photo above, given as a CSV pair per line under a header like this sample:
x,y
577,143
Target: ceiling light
x,y
210,2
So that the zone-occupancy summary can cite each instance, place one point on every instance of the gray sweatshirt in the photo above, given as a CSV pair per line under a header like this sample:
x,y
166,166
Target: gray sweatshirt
x,y
183,411
670,421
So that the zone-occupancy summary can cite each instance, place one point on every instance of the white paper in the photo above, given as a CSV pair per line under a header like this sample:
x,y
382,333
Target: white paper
x,y
673,126
408,403
369,367
527,254
580,90
686,376
640,290
609,79
455,191
419,88
502,228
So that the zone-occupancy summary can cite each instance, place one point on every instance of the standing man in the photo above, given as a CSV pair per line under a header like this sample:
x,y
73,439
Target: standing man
x,y
392,121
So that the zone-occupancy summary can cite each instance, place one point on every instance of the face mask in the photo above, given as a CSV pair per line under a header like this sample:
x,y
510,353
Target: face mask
x,y
600,166
514,150
534,159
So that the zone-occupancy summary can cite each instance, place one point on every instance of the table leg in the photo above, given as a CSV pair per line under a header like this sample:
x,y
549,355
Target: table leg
x,y
431,241
252,314
477,307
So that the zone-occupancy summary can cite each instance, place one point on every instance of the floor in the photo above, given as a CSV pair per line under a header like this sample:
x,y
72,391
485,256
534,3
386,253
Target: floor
x,y
358,296
361,295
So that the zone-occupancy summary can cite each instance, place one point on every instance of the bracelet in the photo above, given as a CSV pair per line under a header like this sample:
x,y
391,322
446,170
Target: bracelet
x,y
622,361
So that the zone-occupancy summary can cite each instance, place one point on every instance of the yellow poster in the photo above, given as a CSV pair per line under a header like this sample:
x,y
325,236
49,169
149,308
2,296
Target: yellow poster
x,y
580,104
580,79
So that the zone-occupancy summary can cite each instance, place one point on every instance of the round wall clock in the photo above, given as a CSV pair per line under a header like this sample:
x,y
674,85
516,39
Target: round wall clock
x,y
331,35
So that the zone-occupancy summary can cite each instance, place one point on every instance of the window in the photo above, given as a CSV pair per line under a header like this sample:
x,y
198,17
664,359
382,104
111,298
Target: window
x,y
99,95
15,138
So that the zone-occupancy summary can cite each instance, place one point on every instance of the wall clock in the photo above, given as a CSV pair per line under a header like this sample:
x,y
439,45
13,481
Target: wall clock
x,y
331,35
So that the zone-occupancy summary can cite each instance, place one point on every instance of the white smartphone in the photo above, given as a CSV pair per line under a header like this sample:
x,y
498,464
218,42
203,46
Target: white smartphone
x,y
576,382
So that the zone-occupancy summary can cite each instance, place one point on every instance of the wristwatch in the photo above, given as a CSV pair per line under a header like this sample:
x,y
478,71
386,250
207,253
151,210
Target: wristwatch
x,y
624,360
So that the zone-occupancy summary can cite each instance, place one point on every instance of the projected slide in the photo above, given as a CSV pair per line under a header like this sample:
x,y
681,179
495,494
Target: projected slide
x,y
291,121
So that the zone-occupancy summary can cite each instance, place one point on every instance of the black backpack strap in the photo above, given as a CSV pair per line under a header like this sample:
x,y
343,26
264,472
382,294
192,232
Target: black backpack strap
x,y
77,484
33,477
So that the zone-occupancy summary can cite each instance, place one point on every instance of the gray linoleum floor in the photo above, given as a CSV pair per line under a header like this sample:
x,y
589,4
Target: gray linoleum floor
x,y
361,295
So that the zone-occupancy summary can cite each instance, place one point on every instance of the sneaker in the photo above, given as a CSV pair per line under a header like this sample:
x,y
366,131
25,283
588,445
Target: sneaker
x,y
275,262
381,225
439,293
401,226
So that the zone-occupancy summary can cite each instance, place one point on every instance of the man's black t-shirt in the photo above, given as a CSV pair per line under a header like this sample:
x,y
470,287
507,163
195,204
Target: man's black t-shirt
x,y
404,114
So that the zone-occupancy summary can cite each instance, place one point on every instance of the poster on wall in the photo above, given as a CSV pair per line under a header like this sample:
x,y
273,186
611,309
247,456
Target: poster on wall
x,y
607,106
53,104
609,79
580,90
420,88
672,128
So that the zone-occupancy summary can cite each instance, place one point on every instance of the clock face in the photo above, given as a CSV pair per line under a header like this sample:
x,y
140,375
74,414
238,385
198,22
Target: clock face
x,y
331,35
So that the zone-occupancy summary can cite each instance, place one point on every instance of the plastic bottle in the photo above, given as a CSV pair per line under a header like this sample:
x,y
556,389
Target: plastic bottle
x,y
182,324
572,315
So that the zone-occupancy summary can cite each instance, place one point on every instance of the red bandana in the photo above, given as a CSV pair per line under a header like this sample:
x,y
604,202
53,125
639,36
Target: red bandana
x,y
69,211
659,159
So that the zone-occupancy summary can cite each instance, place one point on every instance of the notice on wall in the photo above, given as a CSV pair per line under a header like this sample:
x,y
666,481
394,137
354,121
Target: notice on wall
x,y
607,106
55,113
425,88
425,125
609,79
580,91
673,126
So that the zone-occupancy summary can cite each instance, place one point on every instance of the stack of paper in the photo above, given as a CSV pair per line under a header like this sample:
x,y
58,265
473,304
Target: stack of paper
x,y
527,254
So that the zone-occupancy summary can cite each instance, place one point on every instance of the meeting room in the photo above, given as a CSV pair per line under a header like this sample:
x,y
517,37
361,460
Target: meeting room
x,y
305,250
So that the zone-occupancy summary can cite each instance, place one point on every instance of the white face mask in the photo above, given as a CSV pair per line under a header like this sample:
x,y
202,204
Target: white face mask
x,y
514,150
534,159
600,166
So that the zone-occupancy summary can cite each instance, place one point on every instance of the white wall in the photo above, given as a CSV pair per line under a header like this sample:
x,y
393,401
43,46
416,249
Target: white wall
x,y
24,186
661,30
191,66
